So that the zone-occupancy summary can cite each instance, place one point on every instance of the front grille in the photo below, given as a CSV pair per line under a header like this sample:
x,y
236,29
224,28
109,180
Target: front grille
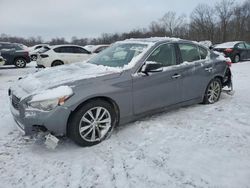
x,y
15,102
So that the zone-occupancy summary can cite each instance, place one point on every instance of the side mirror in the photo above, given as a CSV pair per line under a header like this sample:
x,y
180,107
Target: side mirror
x,y
151,67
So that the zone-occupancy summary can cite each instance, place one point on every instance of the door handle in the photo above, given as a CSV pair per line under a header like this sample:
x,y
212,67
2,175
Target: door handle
x,y
209,69
175,76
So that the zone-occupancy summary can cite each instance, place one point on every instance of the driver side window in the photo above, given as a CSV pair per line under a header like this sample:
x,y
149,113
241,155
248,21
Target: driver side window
x,y
165,55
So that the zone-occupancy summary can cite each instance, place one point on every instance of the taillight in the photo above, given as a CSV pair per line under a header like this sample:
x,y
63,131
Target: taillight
x,y
228,50
229,63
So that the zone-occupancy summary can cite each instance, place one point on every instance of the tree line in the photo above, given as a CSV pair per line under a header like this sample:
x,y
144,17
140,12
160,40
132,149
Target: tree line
x,y
227,20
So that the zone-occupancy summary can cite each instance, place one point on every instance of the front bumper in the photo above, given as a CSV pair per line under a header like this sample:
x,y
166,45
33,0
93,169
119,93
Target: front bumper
x,y
30,121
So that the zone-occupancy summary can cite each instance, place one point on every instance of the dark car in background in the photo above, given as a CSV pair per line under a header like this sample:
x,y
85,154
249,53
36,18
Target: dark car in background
x,y
236,51
14,54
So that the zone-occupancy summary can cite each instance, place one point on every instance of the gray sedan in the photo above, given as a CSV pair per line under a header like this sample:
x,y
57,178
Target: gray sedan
x,y
127,81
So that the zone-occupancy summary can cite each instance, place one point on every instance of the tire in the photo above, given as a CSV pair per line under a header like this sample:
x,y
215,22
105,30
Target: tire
x,y
213,91
236,58
57,63
85,130
20,62
33,57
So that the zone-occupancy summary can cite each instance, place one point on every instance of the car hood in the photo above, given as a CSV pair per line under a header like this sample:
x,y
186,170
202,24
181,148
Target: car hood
x,y
57,76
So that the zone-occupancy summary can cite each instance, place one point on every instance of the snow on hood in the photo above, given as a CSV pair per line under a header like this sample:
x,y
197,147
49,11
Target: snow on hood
x,y
61,75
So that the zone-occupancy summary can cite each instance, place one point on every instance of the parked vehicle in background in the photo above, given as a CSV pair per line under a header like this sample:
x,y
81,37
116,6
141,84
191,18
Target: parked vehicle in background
x,y
129,80
61,54
14,54
96,48
236,51
2,60
34,50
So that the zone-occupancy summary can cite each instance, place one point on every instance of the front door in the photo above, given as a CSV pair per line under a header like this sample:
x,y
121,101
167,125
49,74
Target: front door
x,y
159,89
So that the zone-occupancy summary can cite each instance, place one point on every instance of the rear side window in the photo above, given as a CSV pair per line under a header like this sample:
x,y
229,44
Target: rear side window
x,y
240,46
165,54
64,49
203,53
189,52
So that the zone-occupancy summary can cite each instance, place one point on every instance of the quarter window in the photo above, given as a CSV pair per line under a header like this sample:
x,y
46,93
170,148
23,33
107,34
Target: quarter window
x,y
189,52
165,54
203,53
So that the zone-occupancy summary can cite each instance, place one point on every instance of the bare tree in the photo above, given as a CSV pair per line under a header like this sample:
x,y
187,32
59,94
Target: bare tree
x,y
202,23
171,22
224,10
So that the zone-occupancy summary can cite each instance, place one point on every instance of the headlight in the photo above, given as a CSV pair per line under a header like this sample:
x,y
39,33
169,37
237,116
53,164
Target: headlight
x,y
51,98
49,104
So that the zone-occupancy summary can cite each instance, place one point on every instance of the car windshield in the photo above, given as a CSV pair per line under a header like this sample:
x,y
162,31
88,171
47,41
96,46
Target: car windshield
x,y
118,55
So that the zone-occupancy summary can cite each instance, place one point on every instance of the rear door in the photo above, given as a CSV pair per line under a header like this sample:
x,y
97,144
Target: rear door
x,y
65,53
159,89
196,72
81,54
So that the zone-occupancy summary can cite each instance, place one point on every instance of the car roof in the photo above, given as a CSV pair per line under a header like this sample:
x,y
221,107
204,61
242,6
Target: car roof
x,y
227,44
157,40
65,45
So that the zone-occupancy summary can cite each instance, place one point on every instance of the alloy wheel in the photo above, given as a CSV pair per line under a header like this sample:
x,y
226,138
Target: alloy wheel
x,y
213,92
95,124
20,63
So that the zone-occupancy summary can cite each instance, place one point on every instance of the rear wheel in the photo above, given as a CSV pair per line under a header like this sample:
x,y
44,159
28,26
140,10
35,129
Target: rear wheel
x,y
20,63
213,91
236,58
92,123
56,63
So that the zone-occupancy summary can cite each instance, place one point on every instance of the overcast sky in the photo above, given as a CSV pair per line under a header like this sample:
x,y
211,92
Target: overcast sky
x,y
85,18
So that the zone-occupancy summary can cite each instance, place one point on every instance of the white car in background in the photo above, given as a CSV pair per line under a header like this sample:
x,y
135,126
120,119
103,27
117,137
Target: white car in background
x,y
33,51
61,54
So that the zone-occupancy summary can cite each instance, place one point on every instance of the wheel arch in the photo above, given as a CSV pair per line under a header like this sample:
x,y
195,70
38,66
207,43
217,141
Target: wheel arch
x,y
20,57
56,61
103,98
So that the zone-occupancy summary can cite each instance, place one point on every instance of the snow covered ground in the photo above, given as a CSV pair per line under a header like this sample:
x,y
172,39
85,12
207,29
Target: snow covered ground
x,y
196,146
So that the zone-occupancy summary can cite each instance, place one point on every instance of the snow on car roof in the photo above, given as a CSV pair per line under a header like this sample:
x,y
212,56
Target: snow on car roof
x,y
150,40
62,45
227,44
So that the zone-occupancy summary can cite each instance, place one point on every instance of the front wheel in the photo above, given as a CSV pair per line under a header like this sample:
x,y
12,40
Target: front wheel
x,y
92,123
20,63
213,91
